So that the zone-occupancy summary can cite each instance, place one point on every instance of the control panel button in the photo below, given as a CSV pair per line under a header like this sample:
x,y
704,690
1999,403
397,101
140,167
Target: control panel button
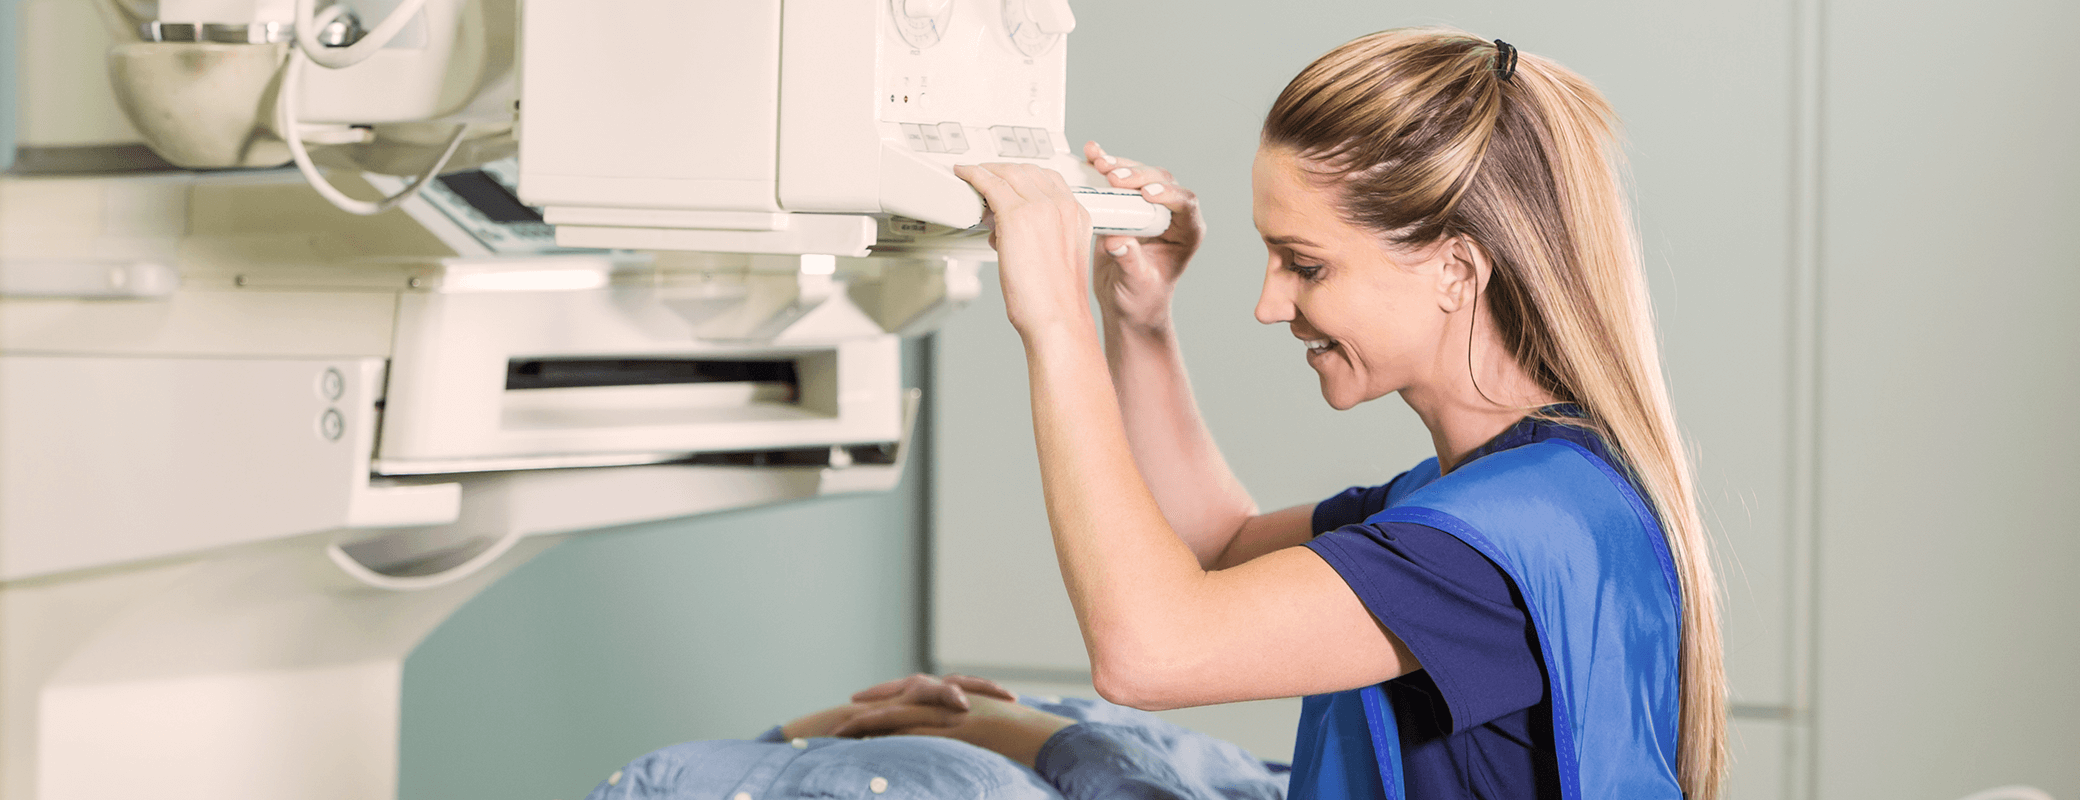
x,y
954,136
1026,146
332,425
932,141
1007,140
914,135
1043,144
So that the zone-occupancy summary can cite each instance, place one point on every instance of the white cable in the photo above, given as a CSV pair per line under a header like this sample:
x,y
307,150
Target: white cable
x,y
285,117
414,583
309,21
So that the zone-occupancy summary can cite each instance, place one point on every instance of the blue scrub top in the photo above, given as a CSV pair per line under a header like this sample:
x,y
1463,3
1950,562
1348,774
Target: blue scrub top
x,y
1477,720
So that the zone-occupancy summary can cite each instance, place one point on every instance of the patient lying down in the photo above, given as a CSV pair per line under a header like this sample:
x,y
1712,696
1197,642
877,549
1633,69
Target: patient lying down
x,y
957,738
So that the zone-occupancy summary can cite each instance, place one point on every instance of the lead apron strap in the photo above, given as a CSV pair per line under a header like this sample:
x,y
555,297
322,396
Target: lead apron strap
x,y
1349,748
1386,739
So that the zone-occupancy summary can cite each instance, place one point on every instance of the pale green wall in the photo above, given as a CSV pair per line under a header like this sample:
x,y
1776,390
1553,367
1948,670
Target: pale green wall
x,y
620,642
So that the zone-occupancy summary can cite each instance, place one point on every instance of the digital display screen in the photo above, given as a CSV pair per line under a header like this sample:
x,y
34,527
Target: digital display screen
x,y
488,196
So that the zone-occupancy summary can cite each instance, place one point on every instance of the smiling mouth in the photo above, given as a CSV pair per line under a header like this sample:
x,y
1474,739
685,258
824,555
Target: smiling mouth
x,y
1320,345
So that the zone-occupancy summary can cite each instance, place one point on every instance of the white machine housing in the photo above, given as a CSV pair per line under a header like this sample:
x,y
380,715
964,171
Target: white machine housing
x,y
836,115
252,450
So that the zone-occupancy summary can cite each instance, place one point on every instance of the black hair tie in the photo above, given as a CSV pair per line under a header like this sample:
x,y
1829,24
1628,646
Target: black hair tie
x,y
1505,60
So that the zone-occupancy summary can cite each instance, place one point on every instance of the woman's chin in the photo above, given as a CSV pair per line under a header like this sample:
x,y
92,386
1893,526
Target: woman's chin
x,y
1343,395
1338,397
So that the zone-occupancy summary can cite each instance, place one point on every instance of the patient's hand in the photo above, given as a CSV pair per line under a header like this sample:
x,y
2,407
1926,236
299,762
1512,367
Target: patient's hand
x,y
902,703
846,720
950,690
972,710
1014,730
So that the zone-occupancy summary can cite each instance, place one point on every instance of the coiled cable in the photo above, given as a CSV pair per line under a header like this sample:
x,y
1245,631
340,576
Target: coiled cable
x,y
287,96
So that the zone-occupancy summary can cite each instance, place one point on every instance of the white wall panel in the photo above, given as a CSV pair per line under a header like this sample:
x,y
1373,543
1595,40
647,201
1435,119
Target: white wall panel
x,y
1760,748
1950,360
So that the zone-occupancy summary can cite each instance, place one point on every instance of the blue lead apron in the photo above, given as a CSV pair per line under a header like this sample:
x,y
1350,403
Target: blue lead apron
x,y
1596,577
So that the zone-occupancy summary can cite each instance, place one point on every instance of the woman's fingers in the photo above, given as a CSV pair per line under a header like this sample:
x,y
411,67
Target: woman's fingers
x,y
998,193
1119,169
1012,190
1030,182
1009,187
1106,162
1157,185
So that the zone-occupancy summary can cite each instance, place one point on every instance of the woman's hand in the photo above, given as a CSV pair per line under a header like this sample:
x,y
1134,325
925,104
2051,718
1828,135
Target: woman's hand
x,y
1135,277
1042,236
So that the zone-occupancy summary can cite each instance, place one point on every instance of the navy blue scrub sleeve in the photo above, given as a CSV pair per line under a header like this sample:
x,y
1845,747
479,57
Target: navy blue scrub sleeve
x,y
1475,720
1457,611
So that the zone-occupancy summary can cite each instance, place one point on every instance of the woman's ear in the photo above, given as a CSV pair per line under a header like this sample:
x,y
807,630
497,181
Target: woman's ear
x,y
1462,273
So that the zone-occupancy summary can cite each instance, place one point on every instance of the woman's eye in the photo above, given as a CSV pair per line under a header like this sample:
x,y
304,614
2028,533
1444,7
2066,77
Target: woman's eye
x,y
1307,272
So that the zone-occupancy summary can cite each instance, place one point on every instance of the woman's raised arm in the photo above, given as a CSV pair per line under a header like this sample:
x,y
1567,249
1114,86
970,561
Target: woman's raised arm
x,y
1176,455
1162,630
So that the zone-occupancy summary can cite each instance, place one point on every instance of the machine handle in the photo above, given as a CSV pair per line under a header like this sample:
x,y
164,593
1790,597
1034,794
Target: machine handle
x,y
1121,212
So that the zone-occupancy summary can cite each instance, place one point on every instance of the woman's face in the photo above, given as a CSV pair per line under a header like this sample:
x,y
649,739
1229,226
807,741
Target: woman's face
x,y
1372,316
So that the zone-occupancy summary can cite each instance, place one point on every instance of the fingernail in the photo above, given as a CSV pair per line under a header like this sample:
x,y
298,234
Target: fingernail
x,y
1122,173
1117,251
1153,189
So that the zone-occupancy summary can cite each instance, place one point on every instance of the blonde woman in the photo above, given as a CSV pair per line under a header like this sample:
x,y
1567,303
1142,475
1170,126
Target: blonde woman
x,y
1530,613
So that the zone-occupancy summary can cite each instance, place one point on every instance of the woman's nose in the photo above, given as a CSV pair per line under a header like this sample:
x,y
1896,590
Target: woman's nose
x,y
1275,304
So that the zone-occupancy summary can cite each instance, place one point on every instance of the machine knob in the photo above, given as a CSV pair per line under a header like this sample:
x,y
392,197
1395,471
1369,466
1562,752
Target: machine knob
x,y
922,23
1053,16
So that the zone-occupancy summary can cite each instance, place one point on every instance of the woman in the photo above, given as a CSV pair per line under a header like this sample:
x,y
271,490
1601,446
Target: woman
x,y
1529,614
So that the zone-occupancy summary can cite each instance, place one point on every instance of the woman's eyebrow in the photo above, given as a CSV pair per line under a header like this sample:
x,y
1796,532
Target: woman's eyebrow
x,y
1287,240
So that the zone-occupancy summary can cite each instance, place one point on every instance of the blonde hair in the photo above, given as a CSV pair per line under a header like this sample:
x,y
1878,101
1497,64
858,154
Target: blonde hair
x,y
1428,133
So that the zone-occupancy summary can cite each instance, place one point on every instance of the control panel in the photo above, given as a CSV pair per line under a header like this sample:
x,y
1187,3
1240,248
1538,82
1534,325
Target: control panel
x,y
941,101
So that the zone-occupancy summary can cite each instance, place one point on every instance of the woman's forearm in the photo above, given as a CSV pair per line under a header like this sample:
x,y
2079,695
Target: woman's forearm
x,y
1134,584
1174,451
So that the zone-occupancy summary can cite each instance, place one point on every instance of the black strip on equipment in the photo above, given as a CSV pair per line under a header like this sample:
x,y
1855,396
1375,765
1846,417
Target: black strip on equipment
x,y
488,196
566,373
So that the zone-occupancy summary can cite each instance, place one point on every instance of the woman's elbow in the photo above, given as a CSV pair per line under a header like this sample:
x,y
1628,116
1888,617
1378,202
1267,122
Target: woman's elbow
x,y
1136,686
